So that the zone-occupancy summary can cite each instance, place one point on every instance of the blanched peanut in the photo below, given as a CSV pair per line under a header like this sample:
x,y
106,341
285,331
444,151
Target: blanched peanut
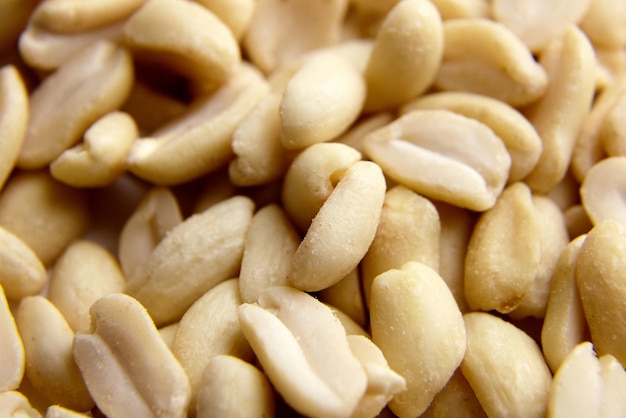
x,y
14,404
236,14
406,55
603,189
120,358
461,9
577,221
605,23
304,351
456,399
50,365
45,214
21,272
342,231
350,326
444,156
346,296
611,63
602,287
168,333
13,118
613,131
559,115
500,360
505,71
231,387
84,273
11,349
56,411
417,325
353,137
612,404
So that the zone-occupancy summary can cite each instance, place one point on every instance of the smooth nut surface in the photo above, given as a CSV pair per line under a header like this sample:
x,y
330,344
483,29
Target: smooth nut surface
x,y
11,348
13,118
602,190
21,272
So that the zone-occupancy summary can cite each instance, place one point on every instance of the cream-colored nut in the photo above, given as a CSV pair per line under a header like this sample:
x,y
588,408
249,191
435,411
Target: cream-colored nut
x,y
50,365
498,375
406,55
342,231
566,193
603,189
559,115
504,252
304,351
192,258
456,399
99,79
186,37
14,404
505,71
444,156
121,358
611,62
408,230
613,131
612,404
281,31
346,296
237,15
84,273
209,328
21,272
320,101
577,385
156,215
217,187
417,325
199,140
350,326
231,387
374,7
11,349
602,286
56,411
519,136
308,181
577,221
45,214
605,23
462,9
101,158
13,118
168,333
353,137
271,242
564,324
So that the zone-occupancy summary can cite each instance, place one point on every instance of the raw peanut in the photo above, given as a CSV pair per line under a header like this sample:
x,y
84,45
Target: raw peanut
x,y
231,387
564,324
518,135
577,221
84,273
611,63
342,231
505,71
237,15
612,404
217,187
45,214
168,334
21,272
456,399
99,79
351,327
406,55
374,7
56,411
604,23
194,256
602,191
11,349
612,133
443,156
566,193
353,137
559,115
500,360
504,252
462,9
304,351
602,287
346,296
50,365
13,118
417,325
14,404
120,358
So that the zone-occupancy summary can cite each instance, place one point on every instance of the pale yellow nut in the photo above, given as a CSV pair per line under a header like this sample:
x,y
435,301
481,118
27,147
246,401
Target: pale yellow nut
x,y
120,357
375,7
168,333
194,256
198,141
320,101
406,55
505,71
281,31
14,404
613,131
45,214
497,376
605,23
231,387
577,221
519,136
559,115
50,365
456,399
84,273
417,325
186,37
462,9
13,118
236,14
504,253
577,385
209,328
444,156
602,286
566,193
21,272
11,349
342,231
603,189
611,62
56,411
351,327
304,351
408,230
353,137
309,180
271,242
346,296
99,79
612,404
